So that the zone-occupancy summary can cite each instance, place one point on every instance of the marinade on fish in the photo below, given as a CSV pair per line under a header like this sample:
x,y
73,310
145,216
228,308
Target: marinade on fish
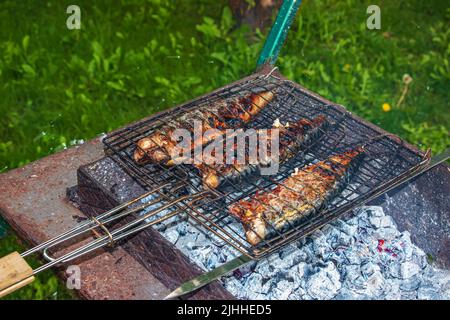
x,y
222,115
303,193
292,138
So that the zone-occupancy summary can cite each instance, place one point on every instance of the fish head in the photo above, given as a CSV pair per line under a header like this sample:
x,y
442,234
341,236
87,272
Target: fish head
x,y
151,149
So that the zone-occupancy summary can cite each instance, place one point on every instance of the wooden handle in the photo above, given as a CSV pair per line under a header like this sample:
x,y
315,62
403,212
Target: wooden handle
x,y
14,273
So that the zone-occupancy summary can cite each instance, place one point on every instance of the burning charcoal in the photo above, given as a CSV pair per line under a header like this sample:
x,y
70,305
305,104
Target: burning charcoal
x,y
302,242
289,260
419,257
381,222
407,252
363,224
392,290
320,245
353,257
182,228
362,214
282,290
234,286
212,262
288,250
353,277
411,284
440,278
254,283
408,295
297,272
375,284
318,234
336,238
375,259
408,269
393,269
236,227
428,292
268,285
306,253
325,230
347,228
193,230
200,240
266,269
347,294
256,296
221,256
149,199
298,294
375,211
229,252
369,268
204,256
171,235
217,241
405,243
325,283
186,243
386,233
338,224
338,257
420,260
353,221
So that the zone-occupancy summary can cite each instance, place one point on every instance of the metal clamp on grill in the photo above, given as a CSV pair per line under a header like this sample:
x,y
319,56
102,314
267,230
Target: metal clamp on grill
x,y
318,138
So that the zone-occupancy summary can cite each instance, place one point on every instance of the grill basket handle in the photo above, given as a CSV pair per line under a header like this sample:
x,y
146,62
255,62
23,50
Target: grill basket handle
x,y
15,273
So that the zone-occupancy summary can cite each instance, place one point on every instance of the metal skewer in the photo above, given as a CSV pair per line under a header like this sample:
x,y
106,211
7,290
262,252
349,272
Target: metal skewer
x,y
15,272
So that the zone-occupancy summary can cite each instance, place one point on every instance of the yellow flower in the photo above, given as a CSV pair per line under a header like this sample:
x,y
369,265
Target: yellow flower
x,y
347,67
386,107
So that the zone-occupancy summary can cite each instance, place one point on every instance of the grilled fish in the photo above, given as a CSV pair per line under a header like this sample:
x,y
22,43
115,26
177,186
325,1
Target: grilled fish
x,y
158,147
305,192
292,137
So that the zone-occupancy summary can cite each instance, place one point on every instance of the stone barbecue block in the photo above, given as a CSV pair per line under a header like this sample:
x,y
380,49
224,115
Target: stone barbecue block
x,y
33,201
103,185
422,207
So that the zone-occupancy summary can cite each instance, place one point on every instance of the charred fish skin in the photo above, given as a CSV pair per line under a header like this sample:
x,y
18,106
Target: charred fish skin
x,y
303,193
293,137
158,146
245,108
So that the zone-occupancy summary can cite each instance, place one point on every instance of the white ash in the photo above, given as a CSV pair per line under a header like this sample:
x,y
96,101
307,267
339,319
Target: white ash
x,y
364,257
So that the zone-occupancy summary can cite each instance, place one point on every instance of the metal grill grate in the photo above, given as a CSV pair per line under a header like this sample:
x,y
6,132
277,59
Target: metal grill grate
x,y
386,159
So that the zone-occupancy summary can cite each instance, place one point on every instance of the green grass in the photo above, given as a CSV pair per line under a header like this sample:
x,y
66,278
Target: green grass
x,y
333,53
46,286
133,58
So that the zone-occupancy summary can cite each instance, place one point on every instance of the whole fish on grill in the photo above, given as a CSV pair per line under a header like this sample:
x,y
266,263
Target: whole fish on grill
x,y
303,193
222,115
292,137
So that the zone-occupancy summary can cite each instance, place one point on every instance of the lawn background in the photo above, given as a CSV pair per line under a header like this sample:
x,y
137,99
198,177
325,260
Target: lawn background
x,y
133,58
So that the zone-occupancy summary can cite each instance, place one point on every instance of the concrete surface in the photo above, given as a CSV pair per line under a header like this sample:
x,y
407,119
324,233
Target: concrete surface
x,y
33,202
